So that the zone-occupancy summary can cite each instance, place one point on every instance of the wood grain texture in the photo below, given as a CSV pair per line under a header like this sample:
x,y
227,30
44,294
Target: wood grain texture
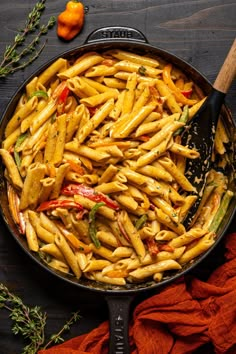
x,y
200,32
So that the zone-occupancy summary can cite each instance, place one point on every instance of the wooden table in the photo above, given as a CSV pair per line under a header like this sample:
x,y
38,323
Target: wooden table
x,y
200,32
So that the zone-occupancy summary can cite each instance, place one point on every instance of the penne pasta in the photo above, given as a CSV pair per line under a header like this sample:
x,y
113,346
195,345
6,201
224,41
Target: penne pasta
x,y
96,169
87,62
20,115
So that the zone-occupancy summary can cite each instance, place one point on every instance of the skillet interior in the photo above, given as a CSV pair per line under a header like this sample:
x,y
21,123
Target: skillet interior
x,y
138,48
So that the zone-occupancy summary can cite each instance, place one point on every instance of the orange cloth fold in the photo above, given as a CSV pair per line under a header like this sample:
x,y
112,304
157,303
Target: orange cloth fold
x,y
178,320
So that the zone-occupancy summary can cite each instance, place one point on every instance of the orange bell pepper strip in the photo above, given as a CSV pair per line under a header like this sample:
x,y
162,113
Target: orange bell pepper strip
x,y
76,243
70,21
180,97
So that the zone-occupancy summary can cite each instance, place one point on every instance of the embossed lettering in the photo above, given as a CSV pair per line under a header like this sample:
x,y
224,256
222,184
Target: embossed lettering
x,y
119,338
117,34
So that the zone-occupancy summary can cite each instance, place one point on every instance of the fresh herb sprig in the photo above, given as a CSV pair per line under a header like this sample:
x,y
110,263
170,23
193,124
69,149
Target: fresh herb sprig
x,y
30,322
57,338
12,57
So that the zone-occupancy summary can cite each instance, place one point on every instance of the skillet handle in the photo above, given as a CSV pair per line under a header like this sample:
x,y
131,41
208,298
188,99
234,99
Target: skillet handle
x,y
119,307
227,72
116,33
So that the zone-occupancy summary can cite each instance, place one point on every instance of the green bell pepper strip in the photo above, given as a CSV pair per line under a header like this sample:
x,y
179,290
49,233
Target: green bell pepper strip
x,y
183,118
39,93
18,143
92,224
141,221
221,211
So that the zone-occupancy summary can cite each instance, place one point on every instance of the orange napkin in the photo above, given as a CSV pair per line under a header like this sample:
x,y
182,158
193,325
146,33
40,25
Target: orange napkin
x,y
178,320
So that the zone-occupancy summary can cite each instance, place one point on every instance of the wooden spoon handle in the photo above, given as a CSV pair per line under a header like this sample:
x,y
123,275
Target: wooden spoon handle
x,y
227,72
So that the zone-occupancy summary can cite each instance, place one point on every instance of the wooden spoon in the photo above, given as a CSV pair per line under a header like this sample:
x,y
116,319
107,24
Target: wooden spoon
x,y
200,133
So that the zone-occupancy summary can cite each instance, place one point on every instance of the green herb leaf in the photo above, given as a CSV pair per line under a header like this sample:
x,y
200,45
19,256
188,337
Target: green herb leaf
x,y
142,70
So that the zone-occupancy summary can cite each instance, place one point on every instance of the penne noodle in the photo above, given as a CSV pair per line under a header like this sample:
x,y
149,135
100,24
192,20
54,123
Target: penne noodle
x,y
47,185
74,121
20,115
129,66
80,87
43,234
126,201
52,70
133,235
11,139
170,99
202,246
139,59
152,155
26,123
166,220
155,172
81,66
132,122
108,238
100,70
157,138
60,139
12,169
31,236
114,83
43,116
111,187
187,237
109,280
184,151
96,264
69,255
59,179
59,265
149,270
32,185
176,174
53,250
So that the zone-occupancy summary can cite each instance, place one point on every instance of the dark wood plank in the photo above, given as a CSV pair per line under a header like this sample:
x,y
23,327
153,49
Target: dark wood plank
x,y
201,33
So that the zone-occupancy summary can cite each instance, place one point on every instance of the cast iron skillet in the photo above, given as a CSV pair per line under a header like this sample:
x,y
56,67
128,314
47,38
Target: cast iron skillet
x,y
119,298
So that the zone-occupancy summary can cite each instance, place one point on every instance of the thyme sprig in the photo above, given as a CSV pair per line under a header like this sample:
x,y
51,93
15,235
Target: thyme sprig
x,y
57,338
12,56
30,322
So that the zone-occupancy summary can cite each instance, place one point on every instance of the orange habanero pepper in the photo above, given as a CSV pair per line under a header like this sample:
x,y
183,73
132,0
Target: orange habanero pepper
x,y
70,21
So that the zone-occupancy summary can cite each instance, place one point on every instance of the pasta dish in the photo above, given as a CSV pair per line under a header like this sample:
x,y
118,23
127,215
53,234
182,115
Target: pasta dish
x,y
95,168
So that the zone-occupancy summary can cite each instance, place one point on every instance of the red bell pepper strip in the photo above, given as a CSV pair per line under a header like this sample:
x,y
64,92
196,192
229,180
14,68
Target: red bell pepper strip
x,y
63,95
187,93
93,110
61,203
90,193
152,246
62,100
